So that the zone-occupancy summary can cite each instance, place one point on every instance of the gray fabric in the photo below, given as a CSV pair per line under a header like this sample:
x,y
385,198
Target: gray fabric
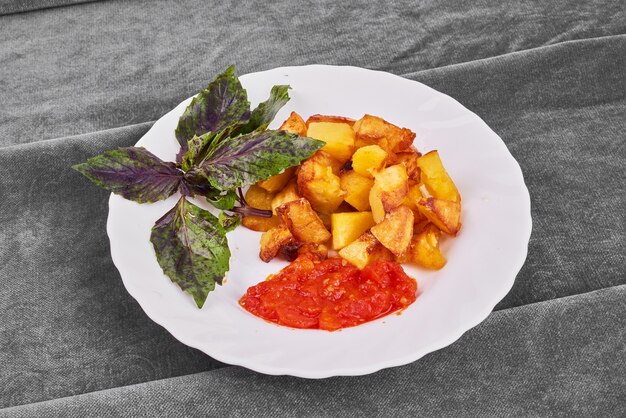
x,y
72,70
554,358
547,78
18,6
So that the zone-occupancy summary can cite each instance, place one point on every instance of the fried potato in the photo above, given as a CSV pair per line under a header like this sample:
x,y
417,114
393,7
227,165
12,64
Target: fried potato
x,y
259,198
424,250
436,178
303,222
259,223
395,230
289,193
318,183
368,160
327,118
374,130
294,124
409,160
294,250
277,182
273,240
339,138
446,215
365,250
357,189
348,226
389,190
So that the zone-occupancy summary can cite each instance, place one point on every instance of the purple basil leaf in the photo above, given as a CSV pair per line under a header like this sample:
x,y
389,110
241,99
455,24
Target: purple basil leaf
x,y
191,248
134,173
222,104
246,159
264,113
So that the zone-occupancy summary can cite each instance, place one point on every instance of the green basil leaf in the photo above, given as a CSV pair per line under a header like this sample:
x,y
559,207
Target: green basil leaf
x,y
246,159
134,173
222,104
264,113
229,221
191,248
223,200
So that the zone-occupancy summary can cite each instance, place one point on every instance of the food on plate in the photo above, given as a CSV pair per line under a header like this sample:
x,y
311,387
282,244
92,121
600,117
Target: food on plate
x,y
367,194
330,294
358,187
224,147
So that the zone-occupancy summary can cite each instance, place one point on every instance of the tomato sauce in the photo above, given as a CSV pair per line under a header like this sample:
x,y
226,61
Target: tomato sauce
x,y
330,294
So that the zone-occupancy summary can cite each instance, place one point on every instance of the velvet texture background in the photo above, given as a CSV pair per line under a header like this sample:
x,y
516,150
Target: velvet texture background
x,y
78,79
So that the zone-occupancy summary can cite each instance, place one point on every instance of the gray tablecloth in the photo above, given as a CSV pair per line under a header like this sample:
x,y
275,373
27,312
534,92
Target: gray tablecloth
x,y
80,78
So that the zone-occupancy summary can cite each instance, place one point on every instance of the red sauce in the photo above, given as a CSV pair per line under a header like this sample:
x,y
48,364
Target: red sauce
x,y
330,294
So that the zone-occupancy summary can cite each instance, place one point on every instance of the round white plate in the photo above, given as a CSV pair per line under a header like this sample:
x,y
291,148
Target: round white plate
x,y
483,259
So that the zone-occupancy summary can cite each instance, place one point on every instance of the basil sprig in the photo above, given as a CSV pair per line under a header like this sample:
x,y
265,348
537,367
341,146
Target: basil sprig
x,y
224,146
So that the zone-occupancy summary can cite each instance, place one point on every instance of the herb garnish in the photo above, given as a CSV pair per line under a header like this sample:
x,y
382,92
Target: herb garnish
x,y
224,146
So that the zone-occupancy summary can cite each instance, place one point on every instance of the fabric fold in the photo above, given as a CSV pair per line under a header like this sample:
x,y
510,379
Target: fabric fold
x,y
566,355
68,325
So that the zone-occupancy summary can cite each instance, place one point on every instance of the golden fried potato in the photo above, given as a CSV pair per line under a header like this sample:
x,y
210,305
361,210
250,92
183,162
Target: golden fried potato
x,y
259,223
424,250
327,118
357,189
293,250
348,226
365,250
390,188
318,183
303,222
368,160
446,215
339,138
289,193
396,230
436,178
409,160
273,240
259,198
374,130
277,182
294,124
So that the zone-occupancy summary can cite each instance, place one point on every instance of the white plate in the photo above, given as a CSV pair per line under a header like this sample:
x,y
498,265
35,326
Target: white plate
x,y
482,261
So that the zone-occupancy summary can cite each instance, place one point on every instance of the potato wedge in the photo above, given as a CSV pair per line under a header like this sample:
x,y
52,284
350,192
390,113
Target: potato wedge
x,y
368,160
279,181
357,189
396,230
365,250
374,130
273,240
339,138
436,178
348,226
319,184
289,193
424,250
294,124
446,215
303,222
